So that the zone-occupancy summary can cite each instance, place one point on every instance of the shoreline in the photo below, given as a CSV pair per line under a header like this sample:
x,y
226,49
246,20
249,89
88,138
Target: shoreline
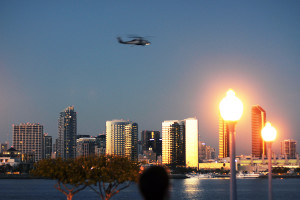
x,y
19,176
172,176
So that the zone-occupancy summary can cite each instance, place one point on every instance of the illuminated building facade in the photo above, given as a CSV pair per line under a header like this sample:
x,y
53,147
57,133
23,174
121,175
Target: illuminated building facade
x,y
289,148
28,139
180,142
67,131
223,138
258,120
151,139
131,141
121,138
191,142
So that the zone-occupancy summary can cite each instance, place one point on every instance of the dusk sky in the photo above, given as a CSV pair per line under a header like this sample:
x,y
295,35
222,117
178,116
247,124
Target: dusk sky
x,y
55,54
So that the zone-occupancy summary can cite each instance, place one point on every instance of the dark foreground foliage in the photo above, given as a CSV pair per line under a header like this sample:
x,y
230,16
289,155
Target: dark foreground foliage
x,y
106,175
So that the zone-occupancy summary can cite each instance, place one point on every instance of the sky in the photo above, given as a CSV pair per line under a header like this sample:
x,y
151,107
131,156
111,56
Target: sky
x,y
54,54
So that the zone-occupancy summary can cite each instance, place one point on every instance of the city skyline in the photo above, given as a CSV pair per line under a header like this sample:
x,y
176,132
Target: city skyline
x,y
55,54
124,134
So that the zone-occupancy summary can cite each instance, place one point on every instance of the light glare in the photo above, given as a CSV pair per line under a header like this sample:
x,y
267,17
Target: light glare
x,y
231,107
268,132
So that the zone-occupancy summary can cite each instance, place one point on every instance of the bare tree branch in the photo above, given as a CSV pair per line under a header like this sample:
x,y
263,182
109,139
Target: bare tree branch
x,y
79,189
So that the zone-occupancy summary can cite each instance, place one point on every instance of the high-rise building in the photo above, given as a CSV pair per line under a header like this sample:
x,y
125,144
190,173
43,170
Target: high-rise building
x,y
180,142
121,138
100,144
191,142
67,131
151,139
223,138
288,148
47,143
206,152
131,139
28,139
258,120
85,146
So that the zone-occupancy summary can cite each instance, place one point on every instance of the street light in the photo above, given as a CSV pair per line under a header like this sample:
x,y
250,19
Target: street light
x,y
231,110
269,134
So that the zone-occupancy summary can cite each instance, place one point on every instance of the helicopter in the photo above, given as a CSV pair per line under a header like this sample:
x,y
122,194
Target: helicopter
x,y
137,40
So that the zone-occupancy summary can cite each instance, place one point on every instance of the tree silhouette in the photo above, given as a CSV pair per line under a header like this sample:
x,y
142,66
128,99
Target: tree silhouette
x,y
70,175
108,175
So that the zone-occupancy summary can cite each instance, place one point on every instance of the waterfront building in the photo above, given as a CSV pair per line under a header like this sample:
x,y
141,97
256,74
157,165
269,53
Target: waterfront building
x,y
223,138
10,157
85,146
67,131
151,139
11,152
47,144
180,142
288,148
121,138
258,120
28,139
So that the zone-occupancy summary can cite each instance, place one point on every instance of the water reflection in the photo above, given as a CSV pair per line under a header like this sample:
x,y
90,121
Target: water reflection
x,y
192,187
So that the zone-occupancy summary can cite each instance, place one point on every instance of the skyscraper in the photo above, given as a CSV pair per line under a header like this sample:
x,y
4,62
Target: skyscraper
x,y
258,120
191,142
151,139
28,139
47,143
131,139
223,138
288,148
180,142
121,138
67,131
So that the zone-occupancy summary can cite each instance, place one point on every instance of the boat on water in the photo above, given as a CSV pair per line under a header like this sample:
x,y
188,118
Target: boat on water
x,y
206,176
248,175
201,176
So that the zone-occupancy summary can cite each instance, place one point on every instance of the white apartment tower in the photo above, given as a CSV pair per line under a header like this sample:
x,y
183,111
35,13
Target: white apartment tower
x,y
121,138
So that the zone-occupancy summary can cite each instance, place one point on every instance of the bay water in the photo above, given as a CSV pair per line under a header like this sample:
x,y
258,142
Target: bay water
x,y
191,188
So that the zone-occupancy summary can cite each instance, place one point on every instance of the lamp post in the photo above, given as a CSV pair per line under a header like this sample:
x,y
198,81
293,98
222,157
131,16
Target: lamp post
x,y
231,109
269,134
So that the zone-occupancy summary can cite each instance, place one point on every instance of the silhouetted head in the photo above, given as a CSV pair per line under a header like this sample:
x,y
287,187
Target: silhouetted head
x,y
154,183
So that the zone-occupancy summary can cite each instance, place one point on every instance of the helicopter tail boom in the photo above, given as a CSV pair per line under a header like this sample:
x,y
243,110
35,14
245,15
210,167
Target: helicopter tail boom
x,y
120,40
